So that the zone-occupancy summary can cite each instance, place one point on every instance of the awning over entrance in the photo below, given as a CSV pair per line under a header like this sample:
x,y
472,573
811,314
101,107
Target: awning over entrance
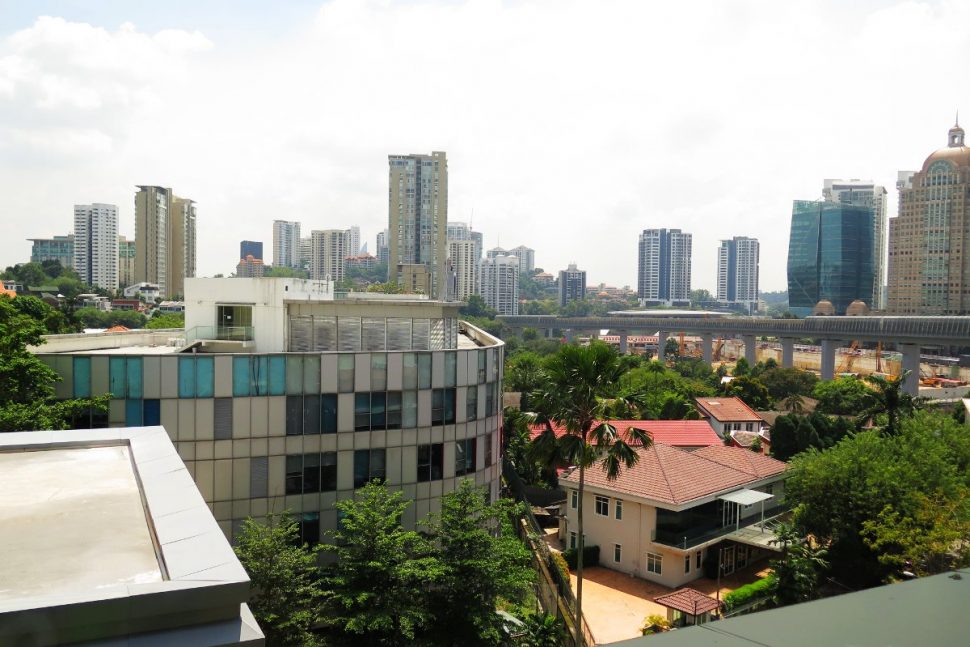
x,y
746,497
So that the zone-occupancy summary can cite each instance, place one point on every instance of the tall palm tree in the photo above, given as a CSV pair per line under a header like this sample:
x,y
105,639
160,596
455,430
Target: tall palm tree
x,y
888,398
578,382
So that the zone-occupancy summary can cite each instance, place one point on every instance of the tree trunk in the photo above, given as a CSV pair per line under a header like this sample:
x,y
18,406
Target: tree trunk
x,y
579,555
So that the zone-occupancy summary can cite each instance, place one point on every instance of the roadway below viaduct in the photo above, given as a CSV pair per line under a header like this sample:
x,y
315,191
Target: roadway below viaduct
x,y
908,334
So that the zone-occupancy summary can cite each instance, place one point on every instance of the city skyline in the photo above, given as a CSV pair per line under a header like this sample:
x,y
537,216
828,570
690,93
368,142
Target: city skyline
x,y
77,128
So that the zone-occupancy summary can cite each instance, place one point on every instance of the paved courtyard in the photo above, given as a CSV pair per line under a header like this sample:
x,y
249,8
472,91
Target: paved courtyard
x,y
615,604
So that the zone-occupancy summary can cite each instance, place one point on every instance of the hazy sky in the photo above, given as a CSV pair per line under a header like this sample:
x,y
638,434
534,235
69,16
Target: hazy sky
x,y
569,126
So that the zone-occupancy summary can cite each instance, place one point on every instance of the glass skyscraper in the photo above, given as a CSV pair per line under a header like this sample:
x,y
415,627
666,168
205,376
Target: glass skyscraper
x,y
830,255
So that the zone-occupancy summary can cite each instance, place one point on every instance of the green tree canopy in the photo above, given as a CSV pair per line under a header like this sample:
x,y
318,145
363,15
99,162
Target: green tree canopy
x,y
166,320
750,390
286,593
784,382
380,585
842,396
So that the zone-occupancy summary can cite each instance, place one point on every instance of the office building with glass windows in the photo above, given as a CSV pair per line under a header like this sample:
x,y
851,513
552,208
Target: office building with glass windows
x,y
283,395
830,255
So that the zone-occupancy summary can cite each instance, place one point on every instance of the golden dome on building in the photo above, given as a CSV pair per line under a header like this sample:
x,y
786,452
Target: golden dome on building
x,y
956,151
857,308
823,308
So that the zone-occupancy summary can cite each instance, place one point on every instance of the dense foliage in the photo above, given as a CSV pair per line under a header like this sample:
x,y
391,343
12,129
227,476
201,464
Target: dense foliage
x,y
27,384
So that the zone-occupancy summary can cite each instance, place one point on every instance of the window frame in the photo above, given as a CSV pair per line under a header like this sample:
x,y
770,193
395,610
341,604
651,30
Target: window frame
x,y
601,501
618,509
654,563
617,553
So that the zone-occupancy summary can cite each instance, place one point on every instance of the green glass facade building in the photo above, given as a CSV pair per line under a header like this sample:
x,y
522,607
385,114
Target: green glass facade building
x,y
830,255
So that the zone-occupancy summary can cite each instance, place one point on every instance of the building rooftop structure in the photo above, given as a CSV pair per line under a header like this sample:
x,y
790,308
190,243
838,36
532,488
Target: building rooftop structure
x,y
105,537
677,477
871,618
676,433
727,409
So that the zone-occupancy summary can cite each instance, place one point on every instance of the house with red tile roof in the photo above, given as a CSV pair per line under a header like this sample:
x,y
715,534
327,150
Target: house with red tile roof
x,y
686,434
728,414
661,518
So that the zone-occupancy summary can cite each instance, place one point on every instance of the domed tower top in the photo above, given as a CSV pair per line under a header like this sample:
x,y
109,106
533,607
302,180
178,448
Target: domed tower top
x,y
956,135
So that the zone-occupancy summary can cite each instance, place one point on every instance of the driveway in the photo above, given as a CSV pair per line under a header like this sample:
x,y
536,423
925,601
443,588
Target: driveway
x,y
615,604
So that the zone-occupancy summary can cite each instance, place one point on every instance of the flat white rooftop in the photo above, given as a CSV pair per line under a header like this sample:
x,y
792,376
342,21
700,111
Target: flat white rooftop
x,y
72,521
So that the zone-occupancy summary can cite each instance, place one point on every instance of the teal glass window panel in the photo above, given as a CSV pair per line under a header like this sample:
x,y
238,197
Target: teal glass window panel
x,y
328,410
152,413
136,377
186,377
117,377
260,375
311,374
240,377
294,374
82,377
133,413
205,377
277,375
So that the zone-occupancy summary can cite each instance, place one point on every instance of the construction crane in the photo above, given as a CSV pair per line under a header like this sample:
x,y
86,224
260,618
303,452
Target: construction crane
x,y
716,353
849,358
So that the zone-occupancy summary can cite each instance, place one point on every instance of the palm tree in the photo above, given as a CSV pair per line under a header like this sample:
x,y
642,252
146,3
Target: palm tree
x,y
577,384
888,398
795,403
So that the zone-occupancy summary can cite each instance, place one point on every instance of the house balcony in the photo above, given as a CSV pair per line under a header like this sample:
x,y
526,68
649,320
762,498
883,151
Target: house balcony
x,y
221,339
753,529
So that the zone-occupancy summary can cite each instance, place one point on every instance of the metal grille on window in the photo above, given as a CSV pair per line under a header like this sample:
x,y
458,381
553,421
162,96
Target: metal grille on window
x,y
373,334
301,333
258,477
324,333
420,333
437,334
348,332
398,333
222,418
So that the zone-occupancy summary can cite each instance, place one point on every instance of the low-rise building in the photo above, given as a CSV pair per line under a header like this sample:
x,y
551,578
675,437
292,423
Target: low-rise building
x,y
105,539
685,434
728,414
144,290
664,517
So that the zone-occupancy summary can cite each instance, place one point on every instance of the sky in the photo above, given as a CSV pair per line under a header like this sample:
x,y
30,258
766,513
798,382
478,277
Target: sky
x,y
570,126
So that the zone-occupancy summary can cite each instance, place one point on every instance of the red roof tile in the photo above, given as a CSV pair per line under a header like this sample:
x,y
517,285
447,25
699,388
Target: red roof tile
x,y
678,433
688,600
727,409
675,476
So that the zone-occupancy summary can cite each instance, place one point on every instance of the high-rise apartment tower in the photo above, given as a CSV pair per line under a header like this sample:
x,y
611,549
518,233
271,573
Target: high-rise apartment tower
x,y
737,272
500,284
286,244
418,221
96,244
866,193
664,266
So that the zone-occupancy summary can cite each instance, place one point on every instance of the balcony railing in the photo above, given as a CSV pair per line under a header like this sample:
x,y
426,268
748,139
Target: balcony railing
x,y
219,333
699,534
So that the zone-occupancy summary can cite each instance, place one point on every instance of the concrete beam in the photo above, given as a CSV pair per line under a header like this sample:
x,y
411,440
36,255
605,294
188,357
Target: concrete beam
x,y
661,342
749,349
828,358
624,342
910,363
708,347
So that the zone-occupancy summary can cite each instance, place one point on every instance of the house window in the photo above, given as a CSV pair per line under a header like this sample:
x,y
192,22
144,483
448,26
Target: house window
x,y
471,400
465,457
369,464
574,499
617,551
655,563
488,449
619,510
306,473
430,461
602,506
309,525
697,562
572,539
686,563
748,426
377,410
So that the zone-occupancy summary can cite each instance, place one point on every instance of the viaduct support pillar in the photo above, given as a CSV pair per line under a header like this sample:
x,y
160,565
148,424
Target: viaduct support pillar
x,y
624,342
911,364
828,358
708,346
749,349
787,352
661,342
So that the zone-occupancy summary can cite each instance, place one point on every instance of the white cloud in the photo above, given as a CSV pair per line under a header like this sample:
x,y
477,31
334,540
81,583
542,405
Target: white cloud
x,y
570,126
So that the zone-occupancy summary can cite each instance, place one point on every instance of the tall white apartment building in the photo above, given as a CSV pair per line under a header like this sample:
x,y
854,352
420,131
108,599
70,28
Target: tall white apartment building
x,y
353,241
96,244
500,284
466,263
328,253
286,244
866,193
737,271
382,251
664,267
527,258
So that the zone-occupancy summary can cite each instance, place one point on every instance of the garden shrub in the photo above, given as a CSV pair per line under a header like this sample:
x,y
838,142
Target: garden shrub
x,y
591,556
749,593
561,565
